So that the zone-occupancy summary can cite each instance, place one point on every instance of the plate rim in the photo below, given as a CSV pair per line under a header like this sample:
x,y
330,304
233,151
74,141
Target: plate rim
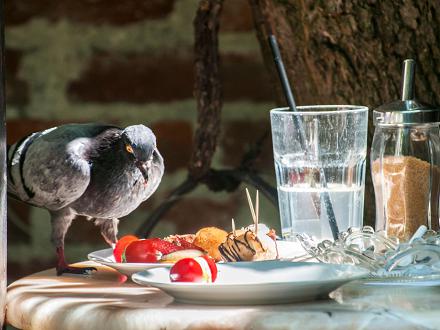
x,y
125,264
359,276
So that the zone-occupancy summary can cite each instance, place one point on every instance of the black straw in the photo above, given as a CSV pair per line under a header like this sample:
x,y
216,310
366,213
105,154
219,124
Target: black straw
x,y
300,128
282,72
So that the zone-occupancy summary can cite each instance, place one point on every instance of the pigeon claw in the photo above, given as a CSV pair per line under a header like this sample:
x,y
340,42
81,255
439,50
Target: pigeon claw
x,y
75,270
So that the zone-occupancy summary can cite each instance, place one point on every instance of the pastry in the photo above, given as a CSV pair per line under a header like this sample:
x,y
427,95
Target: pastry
x,y
209,239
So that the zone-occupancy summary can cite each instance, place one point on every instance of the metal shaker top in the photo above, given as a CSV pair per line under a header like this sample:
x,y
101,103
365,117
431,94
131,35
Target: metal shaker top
x,y
407,110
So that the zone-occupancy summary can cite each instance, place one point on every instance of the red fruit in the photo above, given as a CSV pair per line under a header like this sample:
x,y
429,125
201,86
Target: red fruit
x,y
163,246
189,246
121,245
148,250
141,251
212,266
200,269
182,240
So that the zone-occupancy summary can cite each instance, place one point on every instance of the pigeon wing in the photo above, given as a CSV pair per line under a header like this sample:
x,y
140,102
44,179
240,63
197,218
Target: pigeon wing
x,y
50,168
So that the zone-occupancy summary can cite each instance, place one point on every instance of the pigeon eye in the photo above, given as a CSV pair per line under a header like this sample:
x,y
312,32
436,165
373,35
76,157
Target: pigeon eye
x,y
129,148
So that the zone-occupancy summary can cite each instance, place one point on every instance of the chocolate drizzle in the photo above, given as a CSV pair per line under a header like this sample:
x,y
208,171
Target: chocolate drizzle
x,y
240,248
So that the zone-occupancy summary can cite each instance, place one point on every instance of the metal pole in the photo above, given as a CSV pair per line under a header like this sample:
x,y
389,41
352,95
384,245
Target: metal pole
x,y
3,182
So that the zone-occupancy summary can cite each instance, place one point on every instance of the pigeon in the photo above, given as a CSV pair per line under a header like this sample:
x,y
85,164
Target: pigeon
x,y
98,171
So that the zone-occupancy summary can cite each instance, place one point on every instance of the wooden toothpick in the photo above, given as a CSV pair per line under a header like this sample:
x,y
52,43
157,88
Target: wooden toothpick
x,y
251,206
257,211
233,227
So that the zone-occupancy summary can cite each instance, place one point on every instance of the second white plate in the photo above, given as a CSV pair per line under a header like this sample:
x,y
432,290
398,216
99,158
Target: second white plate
x,y
255,283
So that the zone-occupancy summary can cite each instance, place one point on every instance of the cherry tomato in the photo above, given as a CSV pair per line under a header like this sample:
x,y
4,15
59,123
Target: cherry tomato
x,y
212,266
186,270
194,270
121,245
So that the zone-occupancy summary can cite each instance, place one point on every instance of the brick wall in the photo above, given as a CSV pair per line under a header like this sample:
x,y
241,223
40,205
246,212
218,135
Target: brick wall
x,y
127,62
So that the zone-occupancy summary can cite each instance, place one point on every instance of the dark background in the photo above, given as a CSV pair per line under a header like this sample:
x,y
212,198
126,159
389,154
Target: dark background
x,y
128,62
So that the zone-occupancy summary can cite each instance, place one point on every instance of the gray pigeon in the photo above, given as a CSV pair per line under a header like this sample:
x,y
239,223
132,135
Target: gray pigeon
x,y
99,171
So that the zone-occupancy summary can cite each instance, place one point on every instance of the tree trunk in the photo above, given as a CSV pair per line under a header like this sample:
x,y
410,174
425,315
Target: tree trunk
x,y
207,88
351,52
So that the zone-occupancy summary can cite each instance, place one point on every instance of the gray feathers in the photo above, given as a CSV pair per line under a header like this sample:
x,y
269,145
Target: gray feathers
x,y
86,168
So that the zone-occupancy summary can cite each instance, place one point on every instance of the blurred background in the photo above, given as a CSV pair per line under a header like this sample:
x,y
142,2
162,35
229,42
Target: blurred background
x,y
127,62
131,61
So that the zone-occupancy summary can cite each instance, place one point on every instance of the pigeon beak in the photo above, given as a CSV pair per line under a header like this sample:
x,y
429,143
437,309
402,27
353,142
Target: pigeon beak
x,y
144,170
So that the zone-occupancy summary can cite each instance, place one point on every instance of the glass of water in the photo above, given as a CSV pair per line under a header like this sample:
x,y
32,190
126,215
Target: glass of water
x,y
319,152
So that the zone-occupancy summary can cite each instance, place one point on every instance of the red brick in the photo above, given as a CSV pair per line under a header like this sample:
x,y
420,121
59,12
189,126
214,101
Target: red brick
x,y
145,78
113,12
245,78
236,16
134,78
240,135
174,139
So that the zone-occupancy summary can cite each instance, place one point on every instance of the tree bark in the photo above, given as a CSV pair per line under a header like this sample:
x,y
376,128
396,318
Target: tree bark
x,y
207,88
351,52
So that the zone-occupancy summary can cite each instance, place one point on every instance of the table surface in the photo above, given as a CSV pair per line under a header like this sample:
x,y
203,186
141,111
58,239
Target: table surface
x,y
102,301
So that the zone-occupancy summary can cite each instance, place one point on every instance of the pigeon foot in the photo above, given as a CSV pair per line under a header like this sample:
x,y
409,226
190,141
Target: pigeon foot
x,y
75,270
64,268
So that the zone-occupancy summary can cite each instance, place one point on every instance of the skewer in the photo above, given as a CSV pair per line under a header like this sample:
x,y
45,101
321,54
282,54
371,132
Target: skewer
x,y
257,211
251,206
233,227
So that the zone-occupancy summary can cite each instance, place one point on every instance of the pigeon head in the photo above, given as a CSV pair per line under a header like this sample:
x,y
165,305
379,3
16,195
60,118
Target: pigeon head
x,y
140,143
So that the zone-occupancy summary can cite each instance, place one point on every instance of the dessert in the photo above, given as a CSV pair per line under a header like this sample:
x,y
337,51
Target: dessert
x,y
200,269
253,243
247,245
209,239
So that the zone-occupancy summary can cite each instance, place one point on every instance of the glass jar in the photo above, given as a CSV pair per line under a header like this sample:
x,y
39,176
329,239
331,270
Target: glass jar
x,y
405,166
405,163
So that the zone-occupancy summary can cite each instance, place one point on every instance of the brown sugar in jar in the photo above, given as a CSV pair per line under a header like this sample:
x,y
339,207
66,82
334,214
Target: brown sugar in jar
x,y
405,191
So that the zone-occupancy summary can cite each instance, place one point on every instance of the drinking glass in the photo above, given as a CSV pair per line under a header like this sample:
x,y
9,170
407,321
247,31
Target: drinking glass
x,y
329,166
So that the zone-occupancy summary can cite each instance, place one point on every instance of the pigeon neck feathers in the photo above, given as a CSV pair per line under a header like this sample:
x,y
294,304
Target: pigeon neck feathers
x,y
108,141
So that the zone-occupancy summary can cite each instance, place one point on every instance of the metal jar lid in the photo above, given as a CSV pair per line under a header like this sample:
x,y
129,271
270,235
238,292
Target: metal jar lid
x,y
406,111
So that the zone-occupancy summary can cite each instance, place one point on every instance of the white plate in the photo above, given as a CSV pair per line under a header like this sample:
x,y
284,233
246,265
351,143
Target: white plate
x,y
105,257
254,283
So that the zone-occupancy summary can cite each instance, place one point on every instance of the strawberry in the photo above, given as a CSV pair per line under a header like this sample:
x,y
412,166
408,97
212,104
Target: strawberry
x,y
148,250
186,245
163,246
